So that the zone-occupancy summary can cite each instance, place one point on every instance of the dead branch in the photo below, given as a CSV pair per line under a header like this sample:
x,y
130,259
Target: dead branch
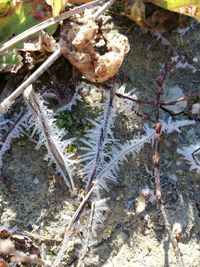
x,y
172,239
156,157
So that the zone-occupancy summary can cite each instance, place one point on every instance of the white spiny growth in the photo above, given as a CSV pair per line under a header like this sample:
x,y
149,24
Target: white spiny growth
x,y
99,210
125,105
97,139
171,126
101,165
95,220
190,154
12,129
43,123
109,170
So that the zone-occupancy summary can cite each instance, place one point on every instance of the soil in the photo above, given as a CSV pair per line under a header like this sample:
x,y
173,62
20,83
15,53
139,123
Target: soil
x,y
36,201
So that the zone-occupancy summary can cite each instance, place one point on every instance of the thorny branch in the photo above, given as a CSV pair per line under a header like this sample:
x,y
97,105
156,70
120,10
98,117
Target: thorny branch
x,y
91,187
156,157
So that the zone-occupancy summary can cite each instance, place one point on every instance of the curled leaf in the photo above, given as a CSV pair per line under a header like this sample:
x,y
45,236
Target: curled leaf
x,y
81,44
162,15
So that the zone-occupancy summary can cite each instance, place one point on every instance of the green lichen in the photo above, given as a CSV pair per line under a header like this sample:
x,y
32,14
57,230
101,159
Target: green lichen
x,y
72,148
65,120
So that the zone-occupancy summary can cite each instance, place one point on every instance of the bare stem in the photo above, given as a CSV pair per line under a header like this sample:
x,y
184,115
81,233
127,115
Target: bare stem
x,y
183,98
138,101
172,239
6,103
101,141
71,225
156,157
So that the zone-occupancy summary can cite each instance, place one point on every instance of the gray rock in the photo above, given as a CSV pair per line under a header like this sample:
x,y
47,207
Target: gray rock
x,y
121,238
171,94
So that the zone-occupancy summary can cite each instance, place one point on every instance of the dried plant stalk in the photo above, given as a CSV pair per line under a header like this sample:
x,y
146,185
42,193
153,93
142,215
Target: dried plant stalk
x,y
55,153
172,239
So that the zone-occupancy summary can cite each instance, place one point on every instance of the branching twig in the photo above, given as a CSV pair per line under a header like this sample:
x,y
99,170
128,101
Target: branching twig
x,y
156,157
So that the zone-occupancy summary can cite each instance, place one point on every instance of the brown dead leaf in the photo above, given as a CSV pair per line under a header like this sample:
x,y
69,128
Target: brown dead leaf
x,y
78,44
45,43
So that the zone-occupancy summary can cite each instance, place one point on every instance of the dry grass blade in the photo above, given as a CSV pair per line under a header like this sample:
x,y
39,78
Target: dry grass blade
x,y
47,23
104,8
36,107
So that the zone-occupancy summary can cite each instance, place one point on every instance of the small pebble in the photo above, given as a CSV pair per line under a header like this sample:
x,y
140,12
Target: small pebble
x,y
195,59
177,228
121,238
174,93
196,108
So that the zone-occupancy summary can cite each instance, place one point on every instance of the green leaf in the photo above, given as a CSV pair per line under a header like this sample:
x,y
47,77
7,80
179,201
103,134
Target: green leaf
x,y
187,7
18,16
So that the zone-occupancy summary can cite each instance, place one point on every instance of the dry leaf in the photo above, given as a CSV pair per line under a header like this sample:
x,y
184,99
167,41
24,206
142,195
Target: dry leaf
x,y
153,17
57,6
78,44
